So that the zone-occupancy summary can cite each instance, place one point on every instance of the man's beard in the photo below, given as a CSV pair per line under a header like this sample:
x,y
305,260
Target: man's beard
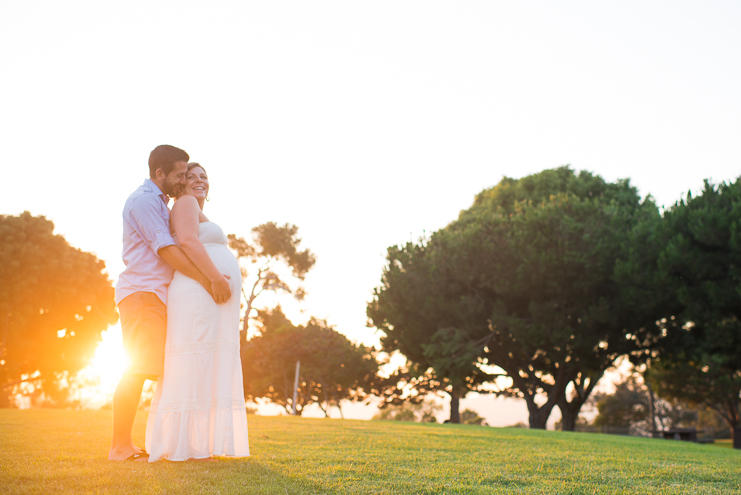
x,y
173,190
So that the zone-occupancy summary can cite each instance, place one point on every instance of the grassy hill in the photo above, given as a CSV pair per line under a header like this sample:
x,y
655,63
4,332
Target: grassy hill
x,y
53,451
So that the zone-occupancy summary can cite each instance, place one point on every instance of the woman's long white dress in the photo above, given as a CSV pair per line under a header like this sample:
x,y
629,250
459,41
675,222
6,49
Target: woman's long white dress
x,y
198,409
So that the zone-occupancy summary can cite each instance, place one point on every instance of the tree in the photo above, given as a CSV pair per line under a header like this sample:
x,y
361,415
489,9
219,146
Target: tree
x,y
523,280
332,368
559,317
270,246
696,255
627,408
698,384
630,408
55,301
413,308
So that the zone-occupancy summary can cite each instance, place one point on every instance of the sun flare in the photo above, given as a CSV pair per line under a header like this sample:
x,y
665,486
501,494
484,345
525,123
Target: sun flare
x,y
98,380
110,358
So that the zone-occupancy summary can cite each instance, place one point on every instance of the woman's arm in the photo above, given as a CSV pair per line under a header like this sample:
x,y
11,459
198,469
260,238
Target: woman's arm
x,y
185,220
176,258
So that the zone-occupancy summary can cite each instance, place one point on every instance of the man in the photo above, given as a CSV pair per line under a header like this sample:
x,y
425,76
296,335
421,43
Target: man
x,y
151,256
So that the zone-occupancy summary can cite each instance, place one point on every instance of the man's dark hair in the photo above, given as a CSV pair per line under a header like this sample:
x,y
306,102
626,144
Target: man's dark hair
x,y
164,156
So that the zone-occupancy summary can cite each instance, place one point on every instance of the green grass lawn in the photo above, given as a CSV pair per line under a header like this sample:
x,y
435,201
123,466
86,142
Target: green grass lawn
x,y
55,451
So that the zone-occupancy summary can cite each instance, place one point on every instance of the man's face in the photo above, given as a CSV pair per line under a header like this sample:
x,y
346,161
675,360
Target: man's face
x,y
175,179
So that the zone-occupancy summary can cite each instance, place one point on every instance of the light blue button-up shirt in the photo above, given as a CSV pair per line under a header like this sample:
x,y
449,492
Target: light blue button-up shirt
x,y
146,230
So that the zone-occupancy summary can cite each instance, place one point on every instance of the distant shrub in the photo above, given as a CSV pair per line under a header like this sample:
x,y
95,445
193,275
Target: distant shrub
x,y
470,417
421,412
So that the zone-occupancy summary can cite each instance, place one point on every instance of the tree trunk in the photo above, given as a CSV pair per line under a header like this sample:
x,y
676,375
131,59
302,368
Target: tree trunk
x,y
732,418
539,414
735,416
327,405
728,410
568,417
455,415
570,410
242,360
538,417
652,410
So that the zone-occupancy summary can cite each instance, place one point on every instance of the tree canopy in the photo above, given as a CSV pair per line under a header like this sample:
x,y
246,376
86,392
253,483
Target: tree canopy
x,y
332,368
415,308
523,281
695,267
271,245
55,301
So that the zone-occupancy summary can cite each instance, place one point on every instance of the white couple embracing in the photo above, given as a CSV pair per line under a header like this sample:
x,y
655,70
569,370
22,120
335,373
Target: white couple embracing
x,y
179,304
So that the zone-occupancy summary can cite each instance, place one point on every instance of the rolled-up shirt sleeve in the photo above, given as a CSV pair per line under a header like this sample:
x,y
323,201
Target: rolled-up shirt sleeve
x,y
152,227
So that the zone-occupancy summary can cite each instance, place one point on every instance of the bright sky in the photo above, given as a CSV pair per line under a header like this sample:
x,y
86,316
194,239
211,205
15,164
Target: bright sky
x,y
364,123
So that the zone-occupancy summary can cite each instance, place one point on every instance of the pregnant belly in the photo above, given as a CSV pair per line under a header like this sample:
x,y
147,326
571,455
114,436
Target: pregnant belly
x,y
225,262
223,259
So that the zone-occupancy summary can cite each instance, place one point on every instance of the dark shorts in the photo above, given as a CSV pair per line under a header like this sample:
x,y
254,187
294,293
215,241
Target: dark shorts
x,y
144,328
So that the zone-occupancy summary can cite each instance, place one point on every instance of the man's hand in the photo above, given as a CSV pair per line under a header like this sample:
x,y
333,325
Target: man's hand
x,y
220,289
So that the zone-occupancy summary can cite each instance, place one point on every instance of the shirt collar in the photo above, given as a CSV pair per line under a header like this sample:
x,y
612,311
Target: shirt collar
x,y
150,184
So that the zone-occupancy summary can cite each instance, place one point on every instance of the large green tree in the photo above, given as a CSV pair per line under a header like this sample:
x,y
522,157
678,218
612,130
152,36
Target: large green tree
x,y
696,268
523,281
55,301
332,368
417,304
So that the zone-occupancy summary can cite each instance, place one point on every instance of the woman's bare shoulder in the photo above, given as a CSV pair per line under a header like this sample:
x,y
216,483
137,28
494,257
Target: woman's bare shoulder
x,y
186,203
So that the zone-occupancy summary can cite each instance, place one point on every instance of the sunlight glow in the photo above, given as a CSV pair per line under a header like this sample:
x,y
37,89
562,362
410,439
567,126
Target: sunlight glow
x,y
110,358
97,382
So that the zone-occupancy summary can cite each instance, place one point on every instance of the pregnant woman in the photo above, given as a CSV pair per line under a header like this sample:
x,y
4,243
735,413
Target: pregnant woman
x,y
198,410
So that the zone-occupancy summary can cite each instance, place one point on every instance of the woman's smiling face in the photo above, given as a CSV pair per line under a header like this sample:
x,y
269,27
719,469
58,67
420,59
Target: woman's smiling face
x,y
196,183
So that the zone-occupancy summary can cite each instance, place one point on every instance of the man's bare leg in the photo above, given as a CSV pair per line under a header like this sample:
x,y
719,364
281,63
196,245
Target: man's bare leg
x,y
125,404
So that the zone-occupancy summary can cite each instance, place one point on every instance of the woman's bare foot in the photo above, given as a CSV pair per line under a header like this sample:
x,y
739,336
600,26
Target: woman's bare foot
x,y
205,459
127,454
121,453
